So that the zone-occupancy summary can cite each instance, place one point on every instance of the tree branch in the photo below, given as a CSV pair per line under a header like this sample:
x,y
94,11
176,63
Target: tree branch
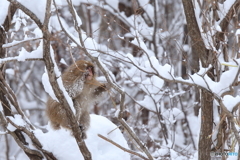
x,y
124,149
34,139
18,137
27,12
49,62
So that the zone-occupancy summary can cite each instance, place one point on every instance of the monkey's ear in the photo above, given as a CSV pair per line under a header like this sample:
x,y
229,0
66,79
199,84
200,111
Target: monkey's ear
x,y
100,89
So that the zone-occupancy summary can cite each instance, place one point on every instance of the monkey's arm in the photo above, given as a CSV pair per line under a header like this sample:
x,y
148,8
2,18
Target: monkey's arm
x,y
74,88
99,90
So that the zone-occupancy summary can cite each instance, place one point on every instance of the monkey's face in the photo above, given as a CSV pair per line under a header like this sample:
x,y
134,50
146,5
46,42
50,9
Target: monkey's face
x,y
82,69
89,74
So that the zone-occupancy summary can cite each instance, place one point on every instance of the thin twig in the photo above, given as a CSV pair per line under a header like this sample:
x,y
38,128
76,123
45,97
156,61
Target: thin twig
x,y
121,147
14,59
12,44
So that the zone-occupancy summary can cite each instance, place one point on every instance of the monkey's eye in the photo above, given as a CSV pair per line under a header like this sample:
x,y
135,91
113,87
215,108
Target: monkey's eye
x,y
90,69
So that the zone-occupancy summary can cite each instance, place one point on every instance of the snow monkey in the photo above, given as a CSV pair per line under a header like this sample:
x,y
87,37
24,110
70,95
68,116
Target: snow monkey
x,y
82,86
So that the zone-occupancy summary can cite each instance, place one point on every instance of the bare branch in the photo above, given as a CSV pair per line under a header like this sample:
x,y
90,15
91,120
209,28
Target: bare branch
x,y
124,149
49,62
33,154
13,59
230,117
34,139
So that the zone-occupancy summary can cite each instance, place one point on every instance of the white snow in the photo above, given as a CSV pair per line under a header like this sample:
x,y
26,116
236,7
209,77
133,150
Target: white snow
x,y
113,4
63,61
17,119
161,152
237,32
148,8
230,102
14,42
186,48
37,8
38,32
152,85
47,86
1,108
177,156
130,57
148,103
218,28
17,24
4,10
79,21
177,113
224,8
3,60
11,128
38,53
62,144
10,71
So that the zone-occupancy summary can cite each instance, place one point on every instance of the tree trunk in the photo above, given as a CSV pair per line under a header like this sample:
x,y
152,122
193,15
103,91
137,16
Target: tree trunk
x,y
205,140
199,52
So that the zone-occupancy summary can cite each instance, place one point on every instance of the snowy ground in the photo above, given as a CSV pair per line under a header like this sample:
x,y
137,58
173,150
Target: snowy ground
x,y
64,146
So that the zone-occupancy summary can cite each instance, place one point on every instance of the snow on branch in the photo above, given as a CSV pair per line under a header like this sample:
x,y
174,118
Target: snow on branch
x,y
28,12
14,43
38,10
25,55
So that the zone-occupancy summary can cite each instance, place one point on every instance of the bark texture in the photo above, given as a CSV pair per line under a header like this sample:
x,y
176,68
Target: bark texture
x,y
199,52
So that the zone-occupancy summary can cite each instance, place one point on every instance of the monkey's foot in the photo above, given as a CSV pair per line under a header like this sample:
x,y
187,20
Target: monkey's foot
x,y
82,128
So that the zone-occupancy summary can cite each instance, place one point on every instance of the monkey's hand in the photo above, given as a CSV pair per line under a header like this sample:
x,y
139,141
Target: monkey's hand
x,y
100,89
82,128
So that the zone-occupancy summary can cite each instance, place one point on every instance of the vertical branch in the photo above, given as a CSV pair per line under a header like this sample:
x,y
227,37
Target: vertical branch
x,y
186,120
155,29
49,62
7,146
199,52
198,47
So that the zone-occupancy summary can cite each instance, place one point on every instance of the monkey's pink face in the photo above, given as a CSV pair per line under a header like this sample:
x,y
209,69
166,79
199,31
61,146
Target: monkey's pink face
x,y
90,73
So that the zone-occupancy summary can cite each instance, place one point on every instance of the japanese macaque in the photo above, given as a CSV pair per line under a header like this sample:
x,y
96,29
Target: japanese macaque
x,y
82,86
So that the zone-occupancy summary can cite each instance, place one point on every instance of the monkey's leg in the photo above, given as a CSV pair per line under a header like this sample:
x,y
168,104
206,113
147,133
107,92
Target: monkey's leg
x,y
84,123
55,125
57,115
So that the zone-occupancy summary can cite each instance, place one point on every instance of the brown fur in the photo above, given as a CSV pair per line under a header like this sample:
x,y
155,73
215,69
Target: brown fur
x,y
84,90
